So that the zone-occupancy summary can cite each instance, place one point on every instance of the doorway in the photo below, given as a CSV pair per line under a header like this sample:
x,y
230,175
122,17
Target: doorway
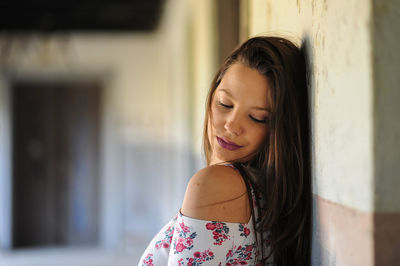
x,y
55,161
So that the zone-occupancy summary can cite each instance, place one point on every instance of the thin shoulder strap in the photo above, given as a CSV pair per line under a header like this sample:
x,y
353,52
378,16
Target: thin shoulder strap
x,y
231,165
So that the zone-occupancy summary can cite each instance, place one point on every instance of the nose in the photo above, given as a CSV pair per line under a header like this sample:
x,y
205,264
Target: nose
x,y
234,126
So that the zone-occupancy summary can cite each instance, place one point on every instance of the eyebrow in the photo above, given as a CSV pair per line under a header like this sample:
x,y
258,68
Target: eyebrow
x,y
255,107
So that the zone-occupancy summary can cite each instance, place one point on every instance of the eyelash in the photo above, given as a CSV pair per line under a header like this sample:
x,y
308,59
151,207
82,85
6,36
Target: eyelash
x,y
224,105
252,118
258,121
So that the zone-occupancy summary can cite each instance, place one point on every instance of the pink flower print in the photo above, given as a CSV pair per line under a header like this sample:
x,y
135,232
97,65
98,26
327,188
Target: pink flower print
x,y
184,227
216,235
236,262
244,230
229,254
200,256
188,241
184,239
210,226
219,232
197,254
241,255
180,247
166,241
148,260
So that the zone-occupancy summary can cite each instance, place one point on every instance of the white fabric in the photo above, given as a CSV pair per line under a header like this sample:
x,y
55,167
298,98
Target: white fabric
x,y
188,241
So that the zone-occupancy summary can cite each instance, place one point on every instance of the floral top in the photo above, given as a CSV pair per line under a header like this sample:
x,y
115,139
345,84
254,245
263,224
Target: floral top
x,y
188,241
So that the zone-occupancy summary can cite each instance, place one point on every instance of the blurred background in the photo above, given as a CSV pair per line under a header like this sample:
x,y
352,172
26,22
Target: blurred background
x,y
101,110
101,113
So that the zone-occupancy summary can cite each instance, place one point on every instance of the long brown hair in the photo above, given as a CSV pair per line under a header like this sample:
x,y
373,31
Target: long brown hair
x,y
280,170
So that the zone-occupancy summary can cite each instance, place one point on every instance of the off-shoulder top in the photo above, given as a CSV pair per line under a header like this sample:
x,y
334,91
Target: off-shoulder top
x,y
188,241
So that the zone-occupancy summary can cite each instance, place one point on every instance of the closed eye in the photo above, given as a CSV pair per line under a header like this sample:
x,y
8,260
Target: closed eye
x,y
225,105
263,121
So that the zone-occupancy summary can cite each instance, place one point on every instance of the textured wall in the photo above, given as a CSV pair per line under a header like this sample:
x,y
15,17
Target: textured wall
x,y
352,48
338,34
337,38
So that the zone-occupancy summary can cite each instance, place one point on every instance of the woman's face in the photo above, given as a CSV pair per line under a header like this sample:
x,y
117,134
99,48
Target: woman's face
x,y
238,123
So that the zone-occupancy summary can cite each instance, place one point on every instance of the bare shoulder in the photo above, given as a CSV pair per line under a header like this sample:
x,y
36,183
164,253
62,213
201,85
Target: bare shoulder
x,y
217,193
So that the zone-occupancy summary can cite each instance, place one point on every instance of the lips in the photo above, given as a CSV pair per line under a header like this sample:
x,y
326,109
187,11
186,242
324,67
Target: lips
x,y
227,144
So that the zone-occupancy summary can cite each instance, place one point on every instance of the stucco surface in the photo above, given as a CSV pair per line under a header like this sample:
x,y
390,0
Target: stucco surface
x,y
339,40
336,239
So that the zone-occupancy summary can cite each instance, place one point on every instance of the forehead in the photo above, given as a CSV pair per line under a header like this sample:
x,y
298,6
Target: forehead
x,y
244,83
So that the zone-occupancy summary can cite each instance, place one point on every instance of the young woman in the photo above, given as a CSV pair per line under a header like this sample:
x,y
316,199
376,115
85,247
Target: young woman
x,y
251,204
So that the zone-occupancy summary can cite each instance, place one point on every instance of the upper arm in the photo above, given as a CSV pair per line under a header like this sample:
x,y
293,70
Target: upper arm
x,y
217,193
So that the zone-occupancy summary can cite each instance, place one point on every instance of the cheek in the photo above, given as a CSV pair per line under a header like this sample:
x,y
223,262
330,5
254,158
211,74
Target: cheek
x,y
217,119
259,137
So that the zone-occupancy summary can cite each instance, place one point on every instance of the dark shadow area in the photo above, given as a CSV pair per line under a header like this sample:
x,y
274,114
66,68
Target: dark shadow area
x,y
87,15
228,16
55,127
306,109
385,43
318,254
